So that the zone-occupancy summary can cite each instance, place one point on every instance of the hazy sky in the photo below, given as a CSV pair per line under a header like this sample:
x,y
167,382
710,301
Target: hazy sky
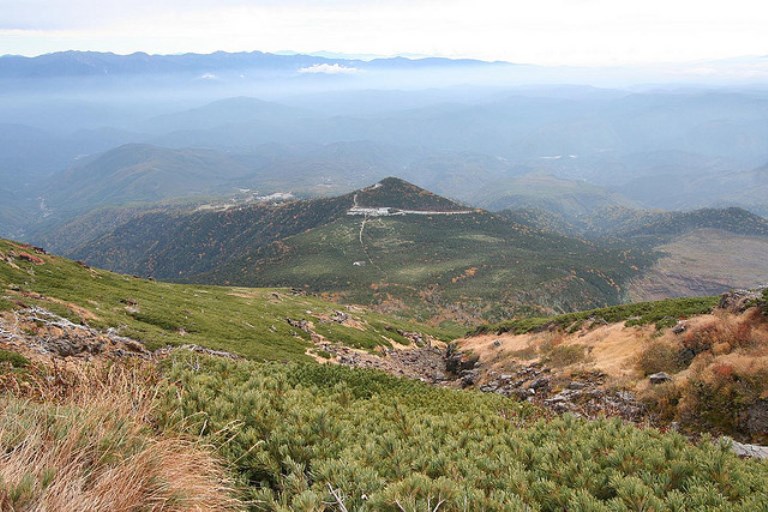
x,y
577,32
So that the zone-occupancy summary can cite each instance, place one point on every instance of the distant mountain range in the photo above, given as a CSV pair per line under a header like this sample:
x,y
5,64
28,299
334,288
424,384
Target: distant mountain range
x,y
78,63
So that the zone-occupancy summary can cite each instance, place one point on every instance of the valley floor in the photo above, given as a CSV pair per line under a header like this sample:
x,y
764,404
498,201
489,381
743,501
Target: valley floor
x,y
703,262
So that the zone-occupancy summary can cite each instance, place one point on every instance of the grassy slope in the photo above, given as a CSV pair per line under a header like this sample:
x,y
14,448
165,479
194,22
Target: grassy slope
x,y
250,322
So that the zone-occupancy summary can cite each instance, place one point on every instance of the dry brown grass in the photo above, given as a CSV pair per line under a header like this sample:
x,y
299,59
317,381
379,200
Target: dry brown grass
x,y
566,355
725,333
612,349
728,374
82,439
660,356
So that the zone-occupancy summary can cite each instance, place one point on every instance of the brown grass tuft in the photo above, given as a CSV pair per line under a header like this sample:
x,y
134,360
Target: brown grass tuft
x,y
82,439
566,355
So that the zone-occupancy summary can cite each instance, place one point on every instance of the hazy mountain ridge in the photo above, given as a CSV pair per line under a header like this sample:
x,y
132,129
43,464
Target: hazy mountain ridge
x,y
78,63
141,173
683,149
632,224
546,192
735,220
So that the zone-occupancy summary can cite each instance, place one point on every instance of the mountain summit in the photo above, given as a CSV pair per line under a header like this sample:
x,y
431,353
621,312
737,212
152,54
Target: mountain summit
x,y
397,193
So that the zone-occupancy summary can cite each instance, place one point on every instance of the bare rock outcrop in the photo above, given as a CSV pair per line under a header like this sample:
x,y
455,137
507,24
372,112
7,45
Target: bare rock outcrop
x,y
738,301
39,331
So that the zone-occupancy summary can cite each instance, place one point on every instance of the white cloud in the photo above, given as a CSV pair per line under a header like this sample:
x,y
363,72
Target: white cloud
x,y
329,69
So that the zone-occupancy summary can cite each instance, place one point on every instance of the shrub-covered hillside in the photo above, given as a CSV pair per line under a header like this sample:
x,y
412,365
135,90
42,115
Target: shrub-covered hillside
x,y
661,313
320,438
465,267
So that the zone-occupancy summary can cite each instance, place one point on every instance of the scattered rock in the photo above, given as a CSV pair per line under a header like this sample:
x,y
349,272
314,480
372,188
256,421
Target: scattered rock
x,y
679,328
422,363
686,356
458,362
30,258
43,332
659,378
752,451
738,301
199,350
583,394
757,417
299,324
469,378
339,317
597,320
414,337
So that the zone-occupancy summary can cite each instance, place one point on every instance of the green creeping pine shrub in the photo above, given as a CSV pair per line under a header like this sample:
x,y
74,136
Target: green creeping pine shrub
x,y
663,313
765,301
15,359
297,434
